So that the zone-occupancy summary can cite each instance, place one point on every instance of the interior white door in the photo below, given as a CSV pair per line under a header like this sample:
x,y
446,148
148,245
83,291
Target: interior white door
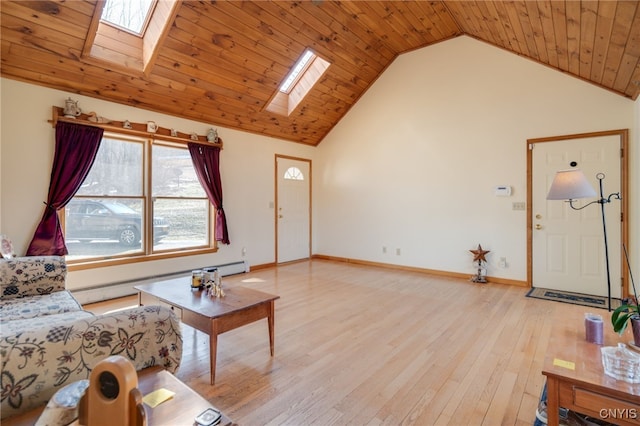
x,y
568,245
293,206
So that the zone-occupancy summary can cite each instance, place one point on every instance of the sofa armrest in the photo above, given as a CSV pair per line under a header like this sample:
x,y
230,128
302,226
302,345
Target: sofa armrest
x,y
32,275
38,362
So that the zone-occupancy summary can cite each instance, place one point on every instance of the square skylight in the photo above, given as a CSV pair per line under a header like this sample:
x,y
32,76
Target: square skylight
x,y
131,15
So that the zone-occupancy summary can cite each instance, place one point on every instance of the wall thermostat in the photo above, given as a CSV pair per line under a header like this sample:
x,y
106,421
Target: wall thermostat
x,y
502,191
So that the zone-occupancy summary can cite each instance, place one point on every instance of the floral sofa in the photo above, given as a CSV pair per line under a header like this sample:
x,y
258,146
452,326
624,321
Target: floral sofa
x,y
48,341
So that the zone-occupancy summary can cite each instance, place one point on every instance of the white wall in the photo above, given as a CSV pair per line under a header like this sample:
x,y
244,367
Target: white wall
x,y
411,166
247,169
414,163
1,105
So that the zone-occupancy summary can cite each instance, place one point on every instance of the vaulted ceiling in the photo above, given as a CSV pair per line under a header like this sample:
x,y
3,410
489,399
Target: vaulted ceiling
x,y
221,62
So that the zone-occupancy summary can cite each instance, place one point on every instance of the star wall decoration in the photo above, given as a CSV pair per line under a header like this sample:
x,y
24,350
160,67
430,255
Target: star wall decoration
x,y
479,254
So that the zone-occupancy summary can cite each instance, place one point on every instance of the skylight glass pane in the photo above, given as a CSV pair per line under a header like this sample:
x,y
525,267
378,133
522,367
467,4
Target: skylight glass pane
x,y
297,69
127,14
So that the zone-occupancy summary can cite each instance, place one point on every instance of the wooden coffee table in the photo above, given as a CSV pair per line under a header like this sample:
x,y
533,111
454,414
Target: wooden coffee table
x,y
213,316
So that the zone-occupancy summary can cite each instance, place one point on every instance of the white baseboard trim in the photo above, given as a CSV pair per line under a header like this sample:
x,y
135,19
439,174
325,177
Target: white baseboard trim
x,y
125,288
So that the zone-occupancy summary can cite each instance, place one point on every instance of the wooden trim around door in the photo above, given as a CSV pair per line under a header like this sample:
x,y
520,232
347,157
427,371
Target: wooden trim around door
x,y
275,209
624,191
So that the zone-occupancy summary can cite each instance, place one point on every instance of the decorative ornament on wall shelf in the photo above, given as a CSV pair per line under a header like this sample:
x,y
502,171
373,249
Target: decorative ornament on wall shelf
x,y
479,256
70,112
212,135
95,118
71,108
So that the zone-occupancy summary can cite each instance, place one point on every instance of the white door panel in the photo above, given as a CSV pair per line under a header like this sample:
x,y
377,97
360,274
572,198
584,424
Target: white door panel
x,y
293,209
568,245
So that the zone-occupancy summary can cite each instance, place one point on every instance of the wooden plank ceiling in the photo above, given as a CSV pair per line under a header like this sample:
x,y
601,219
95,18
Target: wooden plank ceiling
x,y
221,62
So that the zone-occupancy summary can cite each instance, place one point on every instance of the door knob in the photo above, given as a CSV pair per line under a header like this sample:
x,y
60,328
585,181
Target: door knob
x,y
280,216
538,226
538,216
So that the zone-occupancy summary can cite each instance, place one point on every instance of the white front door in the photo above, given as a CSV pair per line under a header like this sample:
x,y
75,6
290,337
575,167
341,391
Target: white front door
x,y
568,245
293,209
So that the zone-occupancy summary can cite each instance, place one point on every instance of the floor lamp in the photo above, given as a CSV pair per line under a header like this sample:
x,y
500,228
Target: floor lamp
x,y
572,184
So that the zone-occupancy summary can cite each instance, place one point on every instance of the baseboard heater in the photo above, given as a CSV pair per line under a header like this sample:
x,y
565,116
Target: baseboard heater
x,y
125,288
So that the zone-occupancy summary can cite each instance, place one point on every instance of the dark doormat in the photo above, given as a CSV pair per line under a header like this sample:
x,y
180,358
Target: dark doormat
x,y
574,298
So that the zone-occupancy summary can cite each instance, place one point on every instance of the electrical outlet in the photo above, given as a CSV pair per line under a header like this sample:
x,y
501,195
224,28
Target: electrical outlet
x,y
397,252
384,249
503,262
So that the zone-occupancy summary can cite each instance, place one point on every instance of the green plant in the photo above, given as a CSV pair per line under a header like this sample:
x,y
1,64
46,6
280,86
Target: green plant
x,y
624,313
621,316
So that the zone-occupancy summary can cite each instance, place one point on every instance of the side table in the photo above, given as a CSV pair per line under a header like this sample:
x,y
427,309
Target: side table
x,y
576,379
181,409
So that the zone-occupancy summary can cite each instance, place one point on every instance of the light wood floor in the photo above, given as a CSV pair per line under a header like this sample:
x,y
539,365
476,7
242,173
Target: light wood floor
x,y
359,345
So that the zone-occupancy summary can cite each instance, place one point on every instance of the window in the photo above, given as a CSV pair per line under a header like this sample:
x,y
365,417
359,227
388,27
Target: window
x,y
130,15
179,197
303,76
300,66
293,173
128,33
125,209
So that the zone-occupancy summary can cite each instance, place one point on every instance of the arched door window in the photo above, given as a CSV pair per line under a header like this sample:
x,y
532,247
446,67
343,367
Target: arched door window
x,y
293,173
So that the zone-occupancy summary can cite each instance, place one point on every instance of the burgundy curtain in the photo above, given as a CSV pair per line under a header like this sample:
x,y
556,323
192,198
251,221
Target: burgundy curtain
x,y
206,160
75,151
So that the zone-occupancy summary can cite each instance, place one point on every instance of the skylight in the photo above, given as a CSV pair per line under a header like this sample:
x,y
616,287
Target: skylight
x,y
306,72
302,63
131,15
114,40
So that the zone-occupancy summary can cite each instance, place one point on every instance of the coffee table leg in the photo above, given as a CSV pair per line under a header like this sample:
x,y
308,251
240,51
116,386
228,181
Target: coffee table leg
x,y
271,325
553,402
213,349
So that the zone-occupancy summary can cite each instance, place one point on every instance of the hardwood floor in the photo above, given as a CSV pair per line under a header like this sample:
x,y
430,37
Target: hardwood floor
x,y
360,345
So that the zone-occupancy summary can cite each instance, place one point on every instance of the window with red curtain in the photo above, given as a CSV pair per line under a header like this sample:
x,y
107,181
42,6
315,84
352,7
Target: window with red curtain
x,y
206,160
75,152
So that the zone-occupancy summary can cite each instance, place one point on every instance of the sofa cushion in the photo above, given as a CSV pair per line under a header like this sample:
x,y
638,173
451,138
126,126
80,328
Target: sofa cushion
x,y
14,327
35,306
31,275
39,360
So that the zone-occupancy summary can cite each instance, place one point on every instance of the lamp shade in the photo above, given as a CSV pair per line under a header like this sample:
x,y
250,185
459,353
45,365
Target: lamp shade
x,y
570,185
